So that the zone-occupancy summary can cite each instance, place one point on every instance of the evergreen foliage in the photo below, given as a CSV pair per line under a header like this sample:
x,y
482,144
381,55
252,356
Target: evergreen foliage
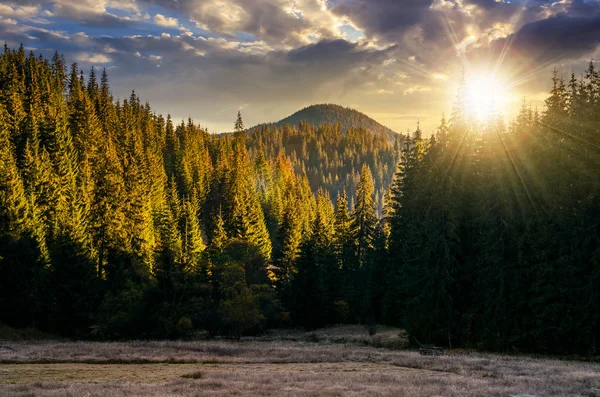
x,y
116,222
346,118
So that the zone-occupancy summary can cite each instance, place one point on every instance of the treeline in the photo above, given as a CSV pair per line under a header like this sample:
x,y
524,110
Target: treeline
x,y
116,223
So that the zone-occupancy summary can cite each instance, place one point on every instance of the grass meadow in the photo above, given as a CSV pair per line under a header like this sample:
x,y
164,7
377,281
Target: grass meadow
x,y
334,362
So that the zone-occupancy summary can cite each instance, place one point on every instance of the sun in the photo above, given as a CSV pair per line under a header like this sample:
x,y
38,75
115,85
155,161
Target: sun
x,y
486,96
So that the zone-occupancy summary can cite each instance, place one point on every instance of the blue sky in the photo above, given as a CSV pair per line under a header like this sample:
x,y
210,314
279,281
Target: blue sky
x,y
396,60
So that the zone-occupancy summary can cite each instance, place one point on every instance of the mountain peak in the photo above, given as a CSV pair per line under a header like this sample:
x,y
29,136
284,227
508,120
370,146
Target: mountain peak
x,y
330,114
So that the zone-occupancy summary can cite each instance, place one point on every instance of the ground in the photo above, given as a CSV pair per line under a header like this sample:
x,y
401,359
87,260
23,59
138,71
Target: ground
x,y
335,362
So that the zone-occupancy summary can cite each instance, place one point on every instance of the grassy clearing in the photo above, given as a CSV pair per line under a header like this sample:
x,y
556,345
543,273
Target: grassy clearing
x,y
387,337
279,365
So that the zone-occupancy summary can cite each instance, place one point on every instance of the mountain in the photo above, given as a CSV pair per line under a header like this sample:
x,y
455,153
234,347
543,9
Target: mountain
x,y
330,114
329,158
329,144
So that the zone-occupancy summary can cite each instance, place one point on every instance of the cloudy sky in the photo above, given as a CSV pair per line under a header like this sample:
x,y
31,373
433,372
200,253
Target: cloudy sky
x,y
396,60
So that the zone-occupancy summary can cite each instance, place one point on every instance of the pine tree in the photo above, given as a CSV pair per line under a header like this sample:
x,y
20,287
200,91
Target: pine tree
x,y
193,245
239,123
343,237
556,105
219,236
290,237
247,219
364,217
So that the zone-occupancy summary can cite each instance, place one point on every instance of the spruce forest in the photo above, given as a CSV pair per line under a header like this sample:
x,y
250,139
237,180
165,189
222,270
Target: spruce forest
x,y
119,223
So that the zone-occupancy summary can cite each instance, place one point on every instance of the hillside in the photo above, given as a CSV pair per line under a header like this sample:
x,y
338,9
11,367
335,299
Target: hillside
x,y
317,115
329,158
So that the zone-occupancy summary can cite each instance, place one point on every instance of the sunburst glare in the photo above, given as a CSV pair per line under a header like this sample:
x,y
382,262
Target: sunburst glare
x,y
486,96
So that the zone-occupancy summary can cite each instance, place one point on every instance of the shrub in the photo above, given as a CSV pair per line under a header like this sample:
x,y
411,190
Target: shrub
x,y
122,313
241,311
341,311
184,326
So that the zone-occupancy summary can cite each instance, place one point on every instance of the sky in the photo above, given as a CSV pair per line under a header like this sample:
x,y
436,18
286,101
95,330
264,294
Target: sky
x,y
399,61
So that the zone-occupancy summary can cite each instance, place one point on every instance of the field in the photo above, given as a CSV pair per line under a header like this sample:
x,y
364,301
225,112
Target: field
x,y
332,363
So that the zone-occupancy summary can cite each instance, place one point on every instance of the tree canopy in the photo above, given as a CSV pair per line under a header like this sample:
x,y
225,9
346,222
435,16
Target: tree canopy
x,y
118,222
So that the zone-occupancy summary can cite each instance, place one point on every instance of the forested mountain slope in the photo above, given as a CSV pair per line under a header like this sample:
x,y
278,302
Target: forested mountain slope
x,y
347,118
330,157
329,144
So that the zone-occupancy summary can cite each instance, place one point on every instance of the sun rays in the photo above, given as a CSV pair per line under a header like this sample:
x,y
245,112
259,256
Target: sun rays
x,y
486,96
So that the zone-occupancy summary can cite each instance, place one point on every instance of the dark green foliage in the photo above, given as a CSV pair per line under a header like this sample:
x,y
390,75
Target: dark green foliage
x,y
74,287
116,222
493,241
124,313
307,295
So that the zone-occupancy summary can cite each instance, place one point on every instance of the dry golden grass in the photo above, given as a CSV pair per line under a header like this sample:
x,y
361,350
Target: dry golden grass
x,y
278,368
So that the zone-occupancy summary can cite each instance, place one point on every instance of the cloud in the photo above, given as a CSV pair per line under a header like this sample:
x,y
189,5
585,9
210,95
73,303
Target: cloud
x,y
85,12
333,51
548,41
21,12
92,58
384,19
167,22
214,75
277,22
439,76
416,89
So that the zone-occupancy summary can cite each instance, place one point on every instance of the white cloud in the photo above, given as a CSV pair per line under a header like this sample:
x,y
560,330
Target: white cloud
x,y
19,12
167,22
439,76
40,21
416,88
125,5
8,21
92,58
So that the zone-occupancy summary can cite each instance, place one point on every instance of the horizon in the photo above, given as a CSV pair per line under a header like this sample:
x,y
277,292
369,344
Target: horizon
x,y
397,62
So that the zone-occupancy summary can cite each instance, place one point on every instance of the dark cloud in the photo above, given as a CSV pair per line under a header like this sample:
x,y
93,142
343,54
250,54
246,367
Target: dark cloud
x,y
107,21
553,39
582,8
24,2
265,19
387,19
490,12
12,35
335,51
